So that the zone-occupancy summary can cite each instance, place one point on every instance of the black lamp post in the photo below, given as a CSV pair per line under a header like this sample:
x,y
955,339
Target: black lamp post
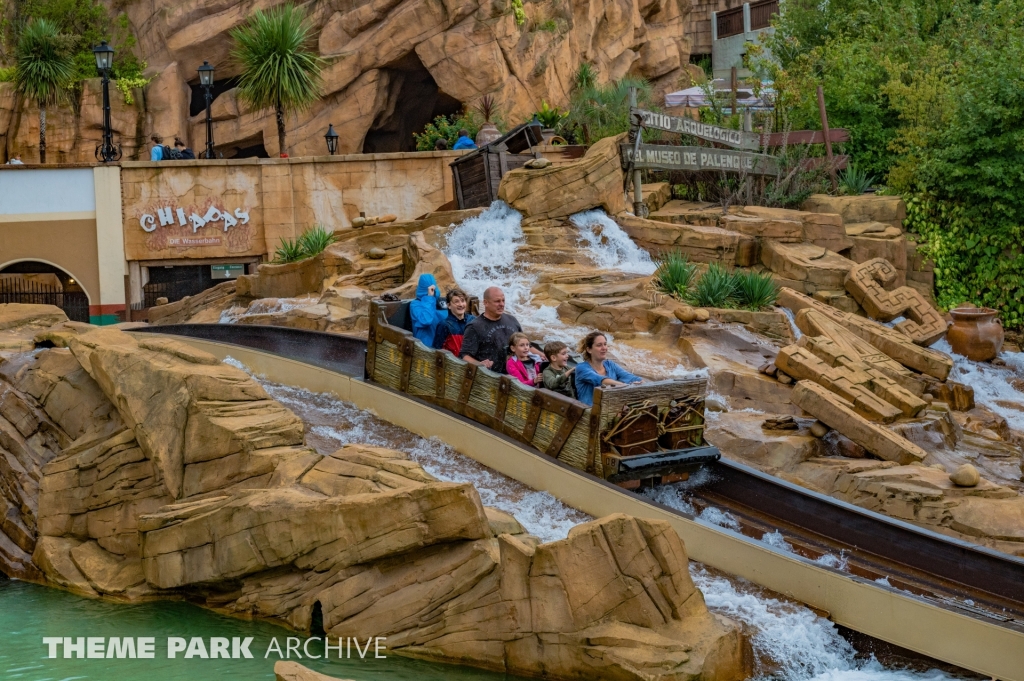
x,y
332,139
106,152
206,80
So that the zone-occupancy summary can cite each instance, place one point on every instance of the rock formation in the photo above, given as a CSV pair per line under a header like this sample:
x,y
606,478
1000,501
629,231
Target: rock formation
x,y
143,468
390,66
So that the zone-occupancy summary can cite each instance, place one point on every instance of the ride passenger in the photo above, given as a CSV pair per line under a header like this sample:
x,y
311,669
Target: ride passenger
x,y
597,371
426,311
557,375
521,365
487,336
453,328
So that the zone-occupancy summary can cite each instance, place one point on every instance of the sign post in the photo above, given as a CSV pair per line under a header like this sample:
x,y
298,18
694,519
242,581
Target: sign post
x,y
637,130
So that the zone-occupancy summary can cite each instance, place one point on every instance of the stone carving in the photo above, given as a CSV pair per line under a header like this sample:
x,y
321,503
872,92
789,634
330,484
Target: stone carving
x,y
865,283
851,382
847,347
896,345
839,414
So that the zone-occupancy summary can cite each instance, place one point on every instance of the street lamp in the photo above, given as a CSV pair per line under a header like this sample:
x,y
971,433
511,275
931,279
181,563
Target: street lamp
x,y
106,152
332,139
206,80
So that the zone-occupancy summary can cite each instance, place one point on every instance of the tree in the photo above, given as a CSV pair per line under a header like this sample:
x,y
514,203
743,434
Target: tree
x,y
44,70
279,69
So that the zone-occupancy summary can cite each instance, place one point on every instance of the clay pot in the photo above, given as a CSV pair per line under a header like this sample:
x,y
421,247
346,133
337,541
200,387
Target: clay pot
x,y
976,333
488,133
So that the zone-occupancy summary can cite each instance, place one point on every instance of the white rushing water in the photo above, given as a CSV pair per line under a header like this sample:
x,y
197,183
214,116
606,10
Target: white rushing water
x,y
482,252
332,423
992,384
609,246
791,643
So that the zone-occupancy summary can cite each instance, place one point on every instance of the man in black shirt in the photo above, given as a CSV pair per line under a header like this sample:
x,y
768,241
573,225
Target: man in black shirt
x,y
486,340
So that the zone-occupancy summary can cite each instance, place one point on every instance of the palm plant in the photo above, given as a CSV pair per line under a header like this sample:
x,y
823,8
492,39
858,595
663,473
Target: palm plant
x,y
289,251
280,71
597,111
855,181
43,70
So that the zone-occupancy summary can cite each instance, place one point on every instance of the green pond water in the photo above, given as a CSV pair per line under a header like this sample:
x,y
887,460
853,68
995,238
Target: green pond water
x,y
28,613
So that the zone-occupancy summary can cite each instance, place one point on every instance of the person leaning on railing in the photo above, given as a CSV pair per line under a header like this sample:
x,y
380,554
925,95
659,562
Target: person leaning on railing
x,y
597,371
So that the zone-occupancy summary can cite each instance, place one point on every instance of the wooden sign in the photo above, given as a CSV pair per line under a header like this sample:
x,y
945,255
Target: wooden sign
x,y
665,157
687,126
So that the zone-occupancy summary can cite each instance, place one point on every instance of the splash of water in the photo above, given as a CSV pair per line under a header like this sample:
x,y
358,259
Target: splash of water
x,y
791,318
791,643
992,387
482,251
608,245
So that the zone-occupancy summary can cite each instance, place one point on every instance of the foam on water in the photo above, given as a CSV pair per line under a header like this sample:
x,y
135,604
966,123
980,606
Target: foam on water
x,y
992,387
608,245
790,642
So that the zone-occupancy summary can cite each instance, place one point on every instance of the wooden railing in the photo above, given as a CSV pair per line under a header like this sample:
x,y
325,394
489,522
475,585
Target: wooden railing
x,y
761,13
730,22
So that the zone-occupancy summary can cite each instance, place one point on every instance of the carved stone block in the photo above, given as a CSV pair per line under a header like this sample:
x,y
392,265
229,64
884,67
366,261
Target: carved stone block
x,y
866,283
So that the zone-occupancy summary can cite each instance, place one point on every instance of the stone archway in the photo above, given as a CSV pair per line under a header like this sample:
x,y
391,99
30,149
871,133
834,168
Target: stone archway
x,y
43,283
413,100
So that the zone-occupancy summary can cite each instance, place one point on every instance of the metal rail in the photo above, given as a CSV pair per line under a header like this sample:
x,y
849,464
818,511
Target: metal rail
x,y
931,565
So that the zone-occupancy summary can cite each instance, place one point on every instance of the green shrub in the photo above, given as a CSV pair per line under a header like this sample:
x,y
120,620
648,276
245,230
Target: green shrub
x,y
675,274
447,127
754,290
715,288
7,74
315,239
289,251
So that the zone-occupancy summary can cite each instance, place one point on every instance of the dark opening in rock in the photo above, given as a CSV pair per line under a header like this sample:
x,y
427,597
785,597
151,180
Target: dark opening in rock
x,y
316,621
413,101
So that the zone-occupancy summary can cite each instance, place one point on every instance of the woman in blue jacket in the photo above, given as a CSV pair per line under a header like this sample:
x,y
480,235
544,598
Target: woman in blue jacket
x,y
426,311
597,371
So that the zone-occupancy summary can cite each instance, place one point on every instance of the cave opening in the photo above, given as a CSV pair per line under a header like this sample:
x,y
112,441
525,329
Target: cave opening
x,y
413,101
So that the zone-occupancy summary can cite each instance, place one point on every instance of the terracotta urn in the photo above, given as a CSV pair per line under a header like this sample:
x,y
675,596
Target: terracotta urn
x,y
976,333
488,133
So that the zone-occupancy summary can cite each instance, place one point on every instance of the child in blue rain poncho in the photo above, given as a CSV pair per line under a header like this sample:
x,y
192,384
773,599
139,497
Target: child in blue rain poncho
x,y
425,312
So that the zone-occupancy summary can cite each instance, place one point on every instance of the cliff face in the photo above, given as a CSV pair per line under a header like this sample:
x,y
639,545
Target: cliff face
x,y
391,66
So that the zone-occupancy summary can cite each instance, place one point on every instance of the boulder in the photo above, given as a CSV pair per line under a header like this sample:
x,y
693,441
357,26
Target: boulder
x,y
965,476
595,181
183,406
890,210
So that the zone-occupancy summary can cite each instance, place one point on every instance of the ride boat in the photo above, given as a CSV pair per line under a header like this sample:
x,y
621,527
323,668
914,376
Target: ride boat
x,y
644,434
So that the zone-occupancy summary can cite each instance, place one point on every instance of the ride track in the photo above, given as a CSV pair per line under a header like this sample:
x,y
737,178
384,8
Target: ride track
x,y
946,598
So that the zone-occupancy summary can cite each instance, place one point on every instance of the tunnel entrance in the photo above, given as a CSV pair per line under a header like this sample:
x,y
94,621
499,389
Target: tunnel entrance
x,y
413,101
32,282
316,623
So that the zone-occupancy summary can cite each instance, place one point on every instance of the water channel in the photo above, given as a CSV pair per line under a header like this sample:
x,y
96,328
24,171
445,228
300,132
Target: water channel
x,y
790,642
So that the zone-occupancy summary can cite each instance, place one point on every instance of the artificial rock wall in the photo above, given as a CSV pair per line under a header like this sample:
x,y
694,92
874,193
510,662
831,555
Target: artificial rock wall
x,y
391,66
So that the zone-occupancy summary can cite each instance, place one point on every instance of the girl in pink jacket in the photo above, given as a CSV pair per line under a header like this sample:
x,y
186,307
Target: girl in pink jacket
x,y
521,365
